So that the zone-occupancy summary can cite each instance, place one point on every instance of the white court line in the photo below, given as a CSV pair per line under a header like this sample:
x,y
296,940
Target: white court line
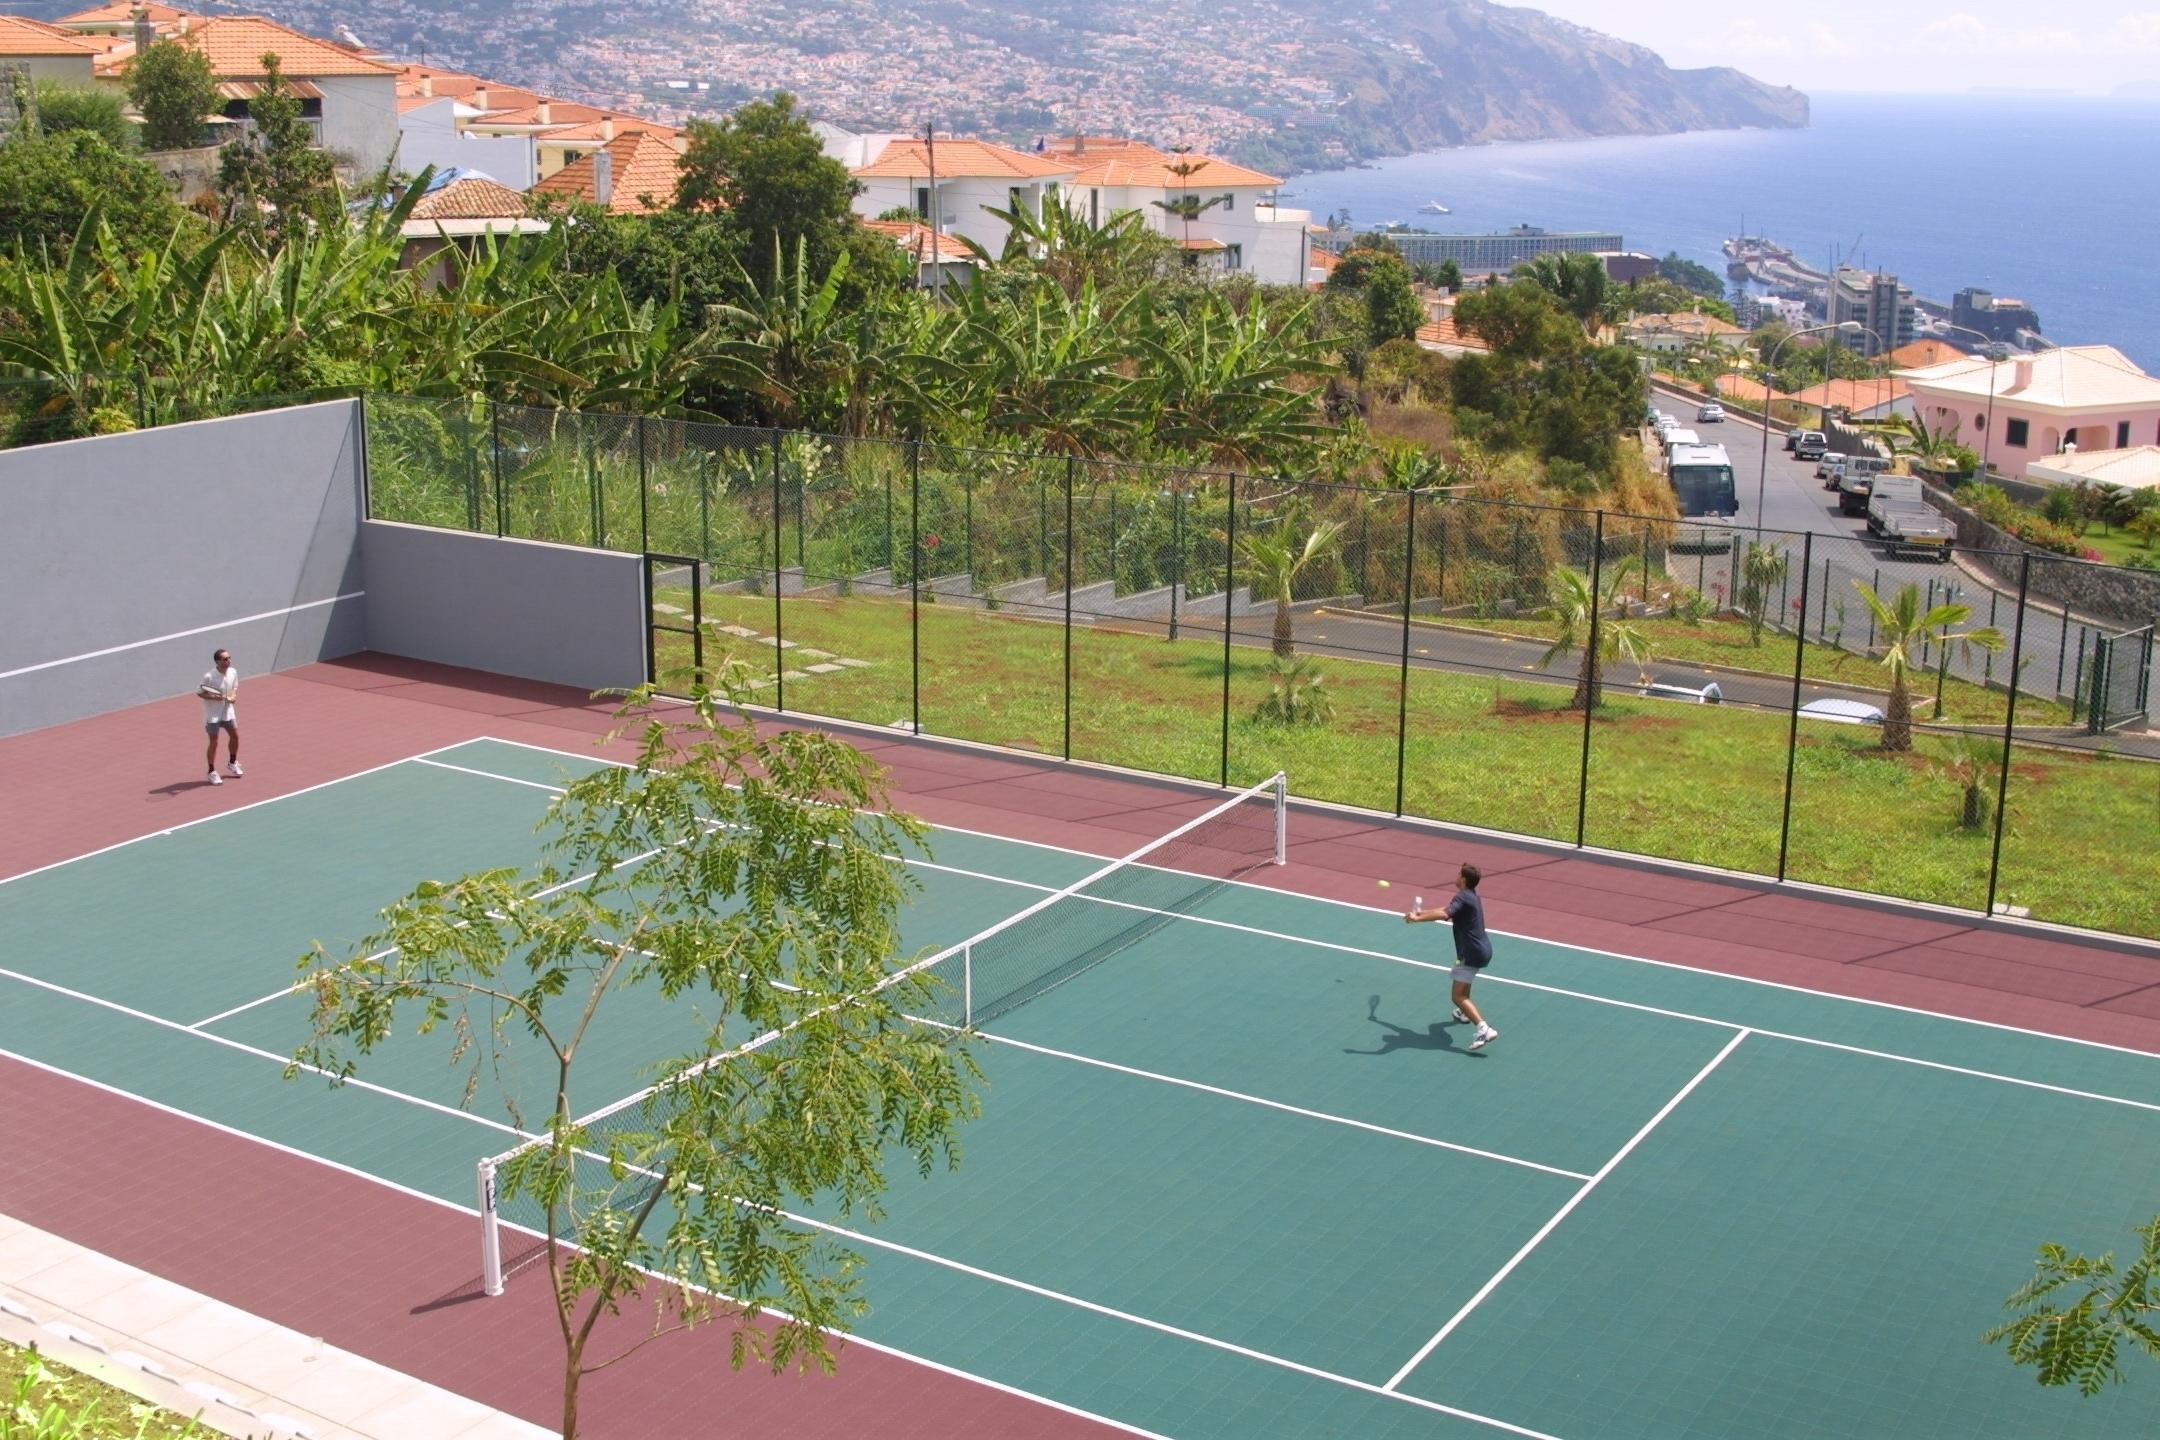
x,y
1553,1224
891,1245
235,810
1276,1105
845,1337
488,774
299,985
1541,987
1511,934
259,1053
179,635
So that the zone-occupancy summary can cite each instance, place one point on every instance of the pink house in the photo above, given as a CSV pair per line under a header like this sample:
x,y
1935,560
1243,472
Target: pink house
x,y
2023,410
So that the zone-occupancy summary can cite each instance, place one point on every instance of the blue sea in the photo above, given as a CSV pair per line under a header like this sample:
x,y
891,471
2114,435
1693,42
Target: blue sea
x,y
2053,200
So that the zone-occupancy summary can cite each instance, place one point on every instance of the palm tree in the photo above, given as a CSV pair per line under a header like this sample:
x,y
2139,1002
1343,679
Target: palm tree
x,y
1188,208
1275,563
1971,763
1572,601
1762,569
1901,627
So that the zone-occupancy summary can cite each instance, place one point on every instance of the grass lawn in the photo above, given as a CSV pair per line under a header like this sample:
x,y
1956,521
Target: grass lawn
x,y
1695,783
43,1401
2120,547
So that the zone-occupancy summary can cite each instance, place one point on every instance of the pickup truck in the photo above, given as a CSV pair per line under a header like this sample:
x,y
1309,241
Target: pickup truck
x,y
1898,512
1809,445
1855,480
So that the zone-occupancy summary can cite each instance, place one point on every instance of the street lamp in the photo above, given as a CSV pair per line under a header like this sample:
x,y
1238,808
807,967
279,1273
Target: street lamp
x,y
1989,353
1762,472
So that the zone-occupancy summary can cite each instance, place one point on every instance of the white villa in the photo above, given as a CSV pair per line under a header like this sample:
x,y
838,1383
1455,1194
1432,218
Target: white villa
x,y
1235,226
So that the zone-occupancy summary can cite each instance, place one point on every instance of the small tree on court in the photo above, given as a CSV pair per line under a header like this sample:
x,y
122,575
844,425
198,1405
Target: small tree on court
x,y
2109,1310
1276,561
1572,602
741,878
1901,627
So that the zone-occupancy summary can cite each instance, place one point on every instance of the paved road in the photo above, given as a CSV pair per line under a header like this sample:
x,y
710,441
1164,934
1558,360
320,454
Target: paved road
x,y
1794,501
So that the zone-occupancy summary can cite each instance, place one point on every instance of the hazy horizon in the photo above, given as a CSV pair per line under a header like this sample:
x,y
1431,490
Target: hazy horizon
x,y
2083,47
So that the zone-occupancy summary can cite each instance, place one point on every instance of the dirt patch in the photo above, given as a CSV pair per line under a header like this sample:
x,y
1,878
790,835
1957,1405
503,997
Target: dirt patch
x,y
1507,707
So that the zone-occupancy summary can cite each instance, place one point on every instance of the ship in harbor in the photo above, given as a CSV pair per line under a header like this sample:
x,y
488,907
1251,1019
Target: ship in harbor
x,y
1766,265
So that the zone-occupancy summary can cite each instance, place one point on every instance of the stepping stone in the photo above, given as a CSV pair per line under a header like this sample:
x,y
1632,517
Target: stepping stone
x,y
783,644
808,654
827,670
736,630
852,664
660,609
793,675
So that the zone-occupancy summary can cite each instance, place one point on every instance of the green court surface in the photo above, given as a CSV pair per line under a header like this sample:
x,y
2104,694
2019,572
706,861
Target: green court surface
x,y
1240,1179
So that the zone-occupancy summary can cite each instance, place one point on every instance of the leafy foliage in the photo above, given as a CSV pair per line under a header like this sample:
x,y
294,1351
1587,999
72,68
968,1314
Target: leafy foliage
x,y
764,170
1297,693
1699,278
1901,627
743,877
277,178
63,109
1274,562
173,87
1573,603
2081,1343
50,183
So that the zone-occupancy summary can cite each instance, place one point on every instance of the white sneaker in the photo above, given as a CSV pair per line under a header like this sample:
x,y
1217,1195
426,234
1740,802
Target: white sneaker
x,y
216,779
1460,1018
234,770
1484,1037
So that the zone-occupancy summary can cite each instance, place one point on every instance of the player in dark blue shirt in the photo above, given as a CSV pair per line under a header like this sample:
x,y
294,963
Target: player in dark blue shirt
x,y
1473,949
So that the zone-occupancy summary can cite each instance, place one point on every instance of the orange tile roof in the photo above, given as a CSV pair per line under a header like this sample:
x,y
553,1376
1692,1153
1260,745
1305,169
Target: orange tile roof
x,y
236,44
122,12
913,236
1746,389
1142,166
20,35
646,170
597,130
1443,331
1919,354
960,159
474,199
1857,395
457,85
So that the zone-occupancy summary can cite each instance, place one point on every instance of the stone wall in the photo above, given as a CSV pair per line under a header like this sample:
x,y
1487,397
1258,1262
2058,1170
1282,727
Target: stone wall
x,y
2109,593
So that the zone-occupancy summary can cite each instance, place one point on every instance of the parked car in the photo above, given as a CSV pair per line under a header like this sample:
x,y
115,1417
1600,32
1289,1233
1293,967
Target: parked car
x,y
1809,444
1710,414
1843,712
1827,467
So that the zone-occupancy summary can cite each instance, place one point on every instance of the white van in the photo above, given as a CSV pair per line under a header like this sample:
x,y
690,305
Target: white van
x,y
1676,437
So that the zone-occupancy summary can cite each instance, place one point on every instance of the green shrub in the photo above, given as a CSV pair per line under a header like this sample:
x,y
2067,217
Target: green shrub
x,y
1297,695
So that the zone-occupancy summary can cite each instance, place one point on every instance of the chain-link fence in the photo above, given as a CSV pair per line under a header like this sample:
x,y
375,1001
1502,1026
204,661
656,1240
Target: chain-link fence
x,y
1965,728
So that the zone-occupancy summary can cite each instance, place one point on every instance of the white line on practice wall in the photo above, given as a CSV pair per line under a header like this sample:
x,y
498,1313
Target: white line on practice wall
x,y
179,635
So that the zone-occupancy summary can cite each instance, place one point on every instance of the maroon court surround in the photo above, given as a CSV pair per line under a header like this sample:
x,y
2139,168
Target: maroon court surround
x,y
245,1221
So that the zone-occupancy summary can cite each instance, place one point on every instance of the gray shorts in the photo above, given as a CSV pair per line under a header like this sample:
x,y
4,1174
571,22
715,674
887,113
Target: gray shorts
x,y
1465,974
211,727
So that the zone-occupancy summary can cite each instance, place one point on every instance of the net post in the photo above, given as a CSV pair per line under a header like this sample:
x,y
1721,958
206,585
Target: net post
x,y
1282,818
491,1273
967,987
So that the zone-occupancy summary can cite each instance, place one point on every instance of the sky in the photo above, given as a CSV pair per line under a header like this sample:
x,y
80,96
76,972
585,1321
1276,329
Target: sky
x,y
2088,46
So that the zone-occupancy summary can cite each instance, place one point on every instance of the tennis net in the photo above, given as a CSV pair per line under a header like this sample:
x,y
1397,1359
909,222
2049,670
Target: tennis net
x,y
1111,910
1057,938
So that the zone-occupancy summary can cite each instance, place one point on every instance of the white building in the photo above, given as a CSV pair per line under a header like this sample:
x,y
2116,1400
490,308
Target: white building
x,y
347,99
972,177
1235,225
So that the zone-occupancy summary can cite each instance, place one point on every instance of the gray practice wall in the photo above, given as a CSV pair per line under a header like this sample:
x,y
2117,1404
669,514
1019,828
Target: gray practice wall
x,y
126,559
514,607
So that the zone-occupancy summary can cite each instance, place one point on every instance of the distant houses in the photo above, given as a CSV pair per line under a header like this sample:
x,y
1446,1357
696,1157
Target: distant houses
x,y
2023,411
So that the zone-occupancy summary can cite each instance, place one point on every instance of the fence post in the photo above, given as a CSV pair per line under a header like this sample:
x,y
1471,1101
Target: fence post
x,y
1987,671
1071,464
1402,684
1113,534
778,634
1822,625
914,585
1597,577
2061,645
1799,666
2077,688
704,504
644,494
596,492
967,525
495,460
1177,553
1229,579
1926,636
2002,788
888,521
1876,586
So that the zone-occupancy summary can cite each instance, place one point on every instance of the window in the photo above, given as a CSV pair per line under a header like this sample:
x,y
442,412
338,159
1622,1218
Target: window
x,y
922,201
1012,197
1980,422
1229,201
2018,433
2122,434
1234,257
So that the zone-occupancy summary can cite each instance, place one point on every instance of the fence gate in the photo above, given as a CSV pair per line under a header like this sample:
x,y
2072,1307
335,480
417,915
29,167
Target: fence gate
x,y
674,622
2118,680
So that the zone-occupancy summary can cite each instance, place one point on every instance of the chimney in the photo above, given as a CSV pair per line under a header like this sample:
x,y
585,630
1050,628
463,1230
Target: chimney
x,y
145,36
603,178
2023,376
607,128
547,113
427,85
480,98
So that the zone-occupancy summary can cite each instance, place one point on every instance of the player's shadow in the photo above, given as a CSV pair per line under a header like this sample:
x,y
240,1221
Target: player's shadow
x,y
1398,1037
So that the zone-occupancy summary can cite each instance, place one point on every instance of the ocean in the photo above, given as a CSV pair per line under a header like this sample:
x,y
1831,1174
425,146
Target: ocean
x,y
2053,200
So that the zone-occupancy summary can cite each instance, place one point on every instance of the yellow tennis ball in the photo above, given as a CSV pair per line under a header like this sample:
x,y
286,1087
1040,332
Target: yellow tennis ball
x,y
1383,884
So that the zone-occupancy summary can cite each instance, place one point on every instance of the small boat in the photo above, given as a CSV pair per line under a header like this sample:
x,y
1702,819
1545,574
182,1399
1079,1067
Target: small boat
x,y
1434,207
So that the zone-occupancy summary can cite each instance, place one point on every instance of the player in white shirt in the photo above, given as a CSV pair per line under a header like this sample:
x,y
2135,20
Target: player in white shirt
x,y
218,690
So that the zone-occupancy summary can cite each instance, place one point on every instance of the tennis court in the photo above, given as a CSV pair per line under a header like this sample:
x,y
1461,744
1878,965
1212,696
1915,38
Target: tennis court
x,y
1236,1175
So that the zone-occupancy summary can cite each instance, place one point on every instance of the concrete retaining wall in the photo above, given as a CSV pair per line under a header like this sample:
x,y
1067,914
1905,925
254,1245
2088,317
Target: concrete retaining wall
x,y
126,559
